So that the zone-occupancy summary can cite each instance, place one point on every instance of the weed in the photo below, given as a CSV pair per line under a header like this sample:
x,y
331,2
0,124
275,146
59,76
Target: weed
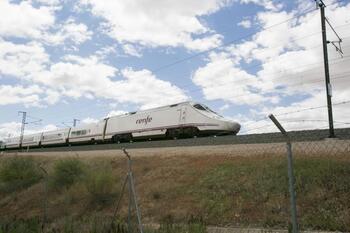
x,y
99,185
66,172
18,173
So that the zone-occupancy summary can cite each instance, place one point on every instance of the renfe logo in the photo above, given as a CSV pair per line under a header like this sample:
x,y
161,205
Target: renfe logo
x,y
144,120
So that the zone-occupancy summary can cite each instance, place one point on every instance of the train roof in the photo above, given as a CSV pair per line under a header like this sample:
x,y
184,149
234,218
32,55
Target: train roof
x,y
156,108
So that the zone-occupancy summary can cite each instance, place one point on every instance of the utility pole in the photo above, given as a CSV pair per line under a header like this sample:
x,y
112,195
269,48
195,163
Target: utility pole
x,y
321,4
75,122
24,116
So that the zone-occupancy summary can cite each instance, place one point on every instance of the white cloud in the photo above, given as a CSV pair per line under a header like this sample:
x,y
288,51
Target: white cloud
x,y
22,60
39,23
9,129
49,2
158,23
76,33
29,96
13,129
115,113
152,93
105,51
245,23
89,120
224,107
23,20
222,79
131,50
291,58
52,96
267,4
78,77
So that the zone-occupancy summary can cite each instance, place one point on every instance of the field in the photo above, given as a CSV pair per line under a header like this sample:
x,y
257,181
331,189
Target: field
x,y
213,186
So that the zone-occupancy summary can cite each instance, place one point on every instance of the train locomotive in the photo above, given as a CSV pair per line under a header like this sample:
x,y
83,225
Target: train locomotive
x,y
182,120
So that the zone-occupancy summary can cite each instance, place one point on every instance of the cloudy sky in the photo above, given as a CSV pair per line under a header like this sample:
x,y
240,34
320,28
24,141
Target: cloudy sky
x,y
88,59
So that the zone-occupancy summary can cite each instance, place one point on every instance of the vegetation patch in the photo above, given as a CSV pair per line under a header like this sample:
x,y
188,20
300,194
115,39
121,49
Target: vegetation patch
x,y
66,172
223,190
100,186
18,173
256,191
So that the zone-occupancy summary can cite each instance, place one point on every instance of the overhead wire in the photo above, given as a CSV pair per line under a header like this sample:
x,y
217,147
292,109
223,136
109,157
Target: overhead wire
x,y
237,39
267,28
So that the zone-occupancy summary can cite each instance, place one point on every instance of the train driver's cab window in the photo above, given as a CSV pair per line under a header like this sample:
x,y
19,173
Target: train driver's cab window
x,y
200,107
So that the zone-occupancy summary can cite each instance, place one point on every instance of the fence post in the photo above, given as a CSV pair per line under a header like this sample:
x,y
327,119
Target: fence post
x,y
290,173
132,192
45,198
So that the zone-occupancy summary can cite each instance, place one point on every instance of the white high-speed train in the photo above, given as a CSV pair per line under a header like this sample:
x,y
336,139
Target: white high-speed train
x,y
187,119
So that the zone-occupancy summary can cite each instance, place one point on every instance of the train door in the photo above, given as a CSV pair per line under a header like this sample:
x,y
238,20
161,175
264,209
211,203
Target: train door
x,y
104,128
183,112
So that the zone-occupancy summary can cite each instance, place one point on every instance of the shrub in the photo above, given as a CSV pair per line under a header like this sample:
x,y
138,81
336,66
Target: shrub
x,y
67,172
20,225
18,173
99,185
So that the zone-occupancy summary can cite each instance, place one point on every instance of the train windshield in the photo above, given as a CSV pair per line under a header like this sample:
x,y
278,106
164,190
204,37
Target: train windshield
x,y
200,107
204,108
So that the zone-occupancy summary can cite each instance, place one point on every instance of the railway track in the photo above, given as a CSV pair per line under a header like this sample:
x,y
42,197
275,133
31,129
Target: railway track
x,y
297,136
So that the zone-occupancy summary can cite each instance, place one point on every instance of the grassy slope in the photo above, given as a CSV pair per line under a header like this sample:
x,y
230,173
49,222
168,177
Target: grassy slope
x,y
239,191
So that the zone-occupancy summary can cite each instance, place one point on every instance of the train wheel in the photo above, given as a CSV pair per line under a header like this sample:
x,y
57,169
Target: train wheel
x,y
190,132
118,138
172,133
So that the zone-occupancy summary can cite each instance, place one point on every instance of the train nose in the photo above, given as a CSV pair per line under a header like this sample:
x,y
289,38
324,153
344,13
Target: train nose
x,y
233,127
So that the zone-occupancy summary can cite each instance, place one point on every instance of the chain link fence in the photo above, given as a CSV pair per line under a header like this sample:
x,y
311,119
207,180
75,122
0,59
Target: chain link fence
x,y
238,184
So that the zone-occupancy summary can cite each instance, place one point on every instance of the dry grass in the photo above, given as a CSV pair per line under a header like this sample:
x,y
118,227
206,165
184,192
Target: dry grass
x,y
222,186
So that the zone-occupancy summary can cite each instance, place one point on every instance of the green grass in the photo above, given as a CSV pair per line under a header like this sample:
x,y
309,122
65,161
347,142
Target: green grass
x,y
100,186
32,225
18,173
235,191
93,224
66,172
253,191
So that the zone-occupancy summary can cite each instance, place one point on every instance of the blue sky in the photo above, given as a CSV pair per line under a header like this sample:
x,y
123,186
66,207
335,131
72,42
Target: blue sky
x,y
88,59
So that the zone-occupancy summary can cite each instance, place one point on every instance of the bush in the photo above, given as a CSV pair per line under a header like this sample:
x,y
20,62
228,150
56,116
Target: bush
x,y
67,172
20,225
99,185
18,173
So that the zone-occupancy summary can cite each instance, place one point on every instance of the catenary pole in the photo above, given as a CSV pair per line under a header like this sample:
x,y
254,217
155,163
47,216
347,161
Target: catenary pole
x,y
75,122
326,68
24,116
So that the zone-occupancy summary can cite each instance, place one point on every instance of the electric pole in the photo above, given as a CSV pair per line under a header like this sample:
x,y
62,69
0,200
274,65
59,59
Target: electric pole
x,y
75,122
24,116
321,4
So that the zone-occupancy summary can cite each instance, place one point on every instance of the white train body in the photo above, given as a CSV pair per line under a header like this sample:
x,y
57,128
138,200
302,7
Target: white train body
x,y
32,140
185,119
160,121
55,137
12,142
90,132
